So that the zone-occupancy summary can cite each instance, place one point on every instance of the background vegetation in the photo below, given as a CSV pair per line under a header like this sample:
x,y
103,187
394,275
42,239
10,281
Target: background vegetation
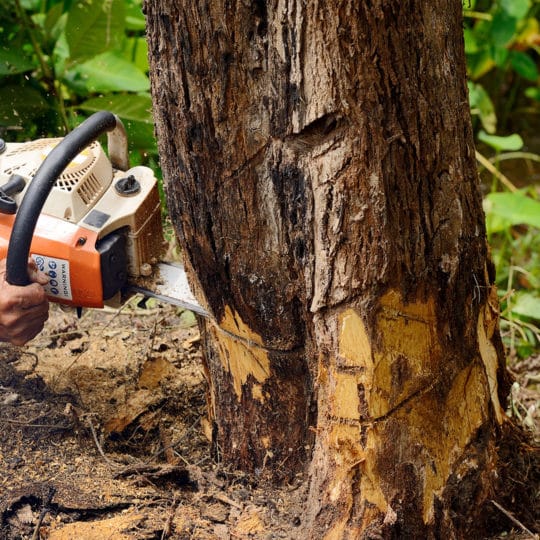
x,y
61,60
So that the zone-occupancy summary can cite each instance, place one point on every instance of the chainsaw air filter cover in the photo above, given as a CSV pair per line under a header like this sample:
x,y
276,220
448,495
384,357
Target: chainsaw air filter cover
x,y
76,190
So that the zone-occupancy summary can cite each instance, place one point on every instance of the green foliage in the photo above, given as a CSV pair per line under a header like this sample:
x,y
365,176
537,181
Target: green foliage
x,y
502,39
61,60
510,142
513,224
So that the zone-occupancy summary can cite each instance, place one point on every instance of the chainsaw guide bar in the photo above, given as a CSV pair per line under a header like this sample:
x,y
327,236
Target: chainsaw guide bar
x,y
171,286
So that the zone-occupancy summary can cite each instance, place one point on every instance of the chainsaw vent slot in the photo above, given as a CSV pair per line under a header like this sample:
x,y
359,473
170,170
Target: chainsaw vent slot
x,y
68,180
32,146
89,189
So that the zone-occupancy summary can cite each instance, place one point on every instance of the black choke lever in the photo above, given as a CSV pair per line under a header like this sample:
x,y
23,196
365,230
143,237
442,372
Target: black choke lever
x,y
15,184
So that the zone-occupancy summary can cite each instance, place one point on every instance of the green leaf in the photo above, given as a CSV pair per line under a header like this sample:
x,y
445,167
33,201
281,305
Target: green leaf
x,y
516,8
136,50
479,64
55,22
503,28
524,65
512,142
94,27
471,43
513,208
533,92
135,20
30,5
19,105
128,107
135,112
500,55
187,319
14,61
482,105
527,305
108,72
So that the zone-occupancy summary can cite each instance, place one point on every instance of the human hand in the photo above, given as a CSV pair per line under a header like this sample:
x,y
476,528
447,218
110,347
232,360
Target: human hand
x,y
23,310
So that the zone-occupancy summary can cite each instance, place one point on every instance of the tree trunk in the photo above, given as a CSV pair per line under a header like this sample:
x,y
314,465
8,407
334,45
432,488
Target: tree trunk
x,y
320,170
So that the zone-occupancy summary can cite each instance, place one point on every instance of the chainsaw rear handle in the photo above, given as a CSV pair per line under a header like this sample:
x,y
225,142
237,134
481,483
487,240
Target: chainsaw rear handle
x,y
47,174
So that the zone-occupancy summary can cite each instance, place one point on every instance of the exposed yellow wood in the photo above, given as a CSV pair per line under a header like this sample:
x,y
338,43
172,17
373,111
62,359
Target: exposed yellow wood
x,y
445,428
373,388
257,393
408,353
238,356
354,346
490,361
233,324
346,403
349,377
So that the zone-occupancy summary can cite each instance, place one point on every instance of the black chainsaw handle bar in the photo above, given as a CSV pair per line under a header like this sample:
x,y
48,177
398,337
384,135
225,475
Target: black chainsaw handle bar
x,y
47,174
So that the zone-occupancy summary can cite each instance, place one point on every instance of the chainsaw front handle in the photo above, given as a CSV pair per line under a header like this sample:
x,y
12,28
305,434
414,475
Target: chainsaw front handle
x,y
47,174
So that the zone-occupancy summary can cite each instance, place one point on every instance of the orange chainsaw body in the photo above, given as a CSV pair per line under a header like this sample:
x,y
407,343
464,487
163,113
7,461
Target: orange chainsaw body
x,y
67,254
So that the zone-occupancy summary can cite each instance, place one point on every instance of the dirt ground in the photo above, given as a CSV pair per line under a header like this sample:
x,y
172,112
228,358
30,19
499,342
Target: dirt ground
x,y
102,436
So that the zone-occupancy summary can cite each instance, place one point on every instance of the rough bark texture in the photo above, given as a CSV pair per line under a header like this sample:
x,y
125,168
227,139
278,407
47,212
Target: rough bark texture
x,y
320,169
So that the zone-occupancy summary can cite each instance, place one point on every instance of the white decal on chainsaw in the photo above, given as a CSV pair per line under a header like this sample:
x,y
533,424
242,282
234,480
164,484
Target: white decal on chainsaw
x,y
57,270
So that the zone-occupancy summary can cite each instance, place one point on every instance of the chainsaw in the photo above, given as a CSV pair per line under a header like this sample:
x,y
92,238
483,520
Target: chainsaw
x,y
91,223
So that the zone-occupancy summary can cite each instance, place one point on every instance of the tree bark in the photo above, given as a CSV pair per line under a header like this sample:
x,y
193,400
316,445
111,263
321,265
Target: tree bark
x,y
319,167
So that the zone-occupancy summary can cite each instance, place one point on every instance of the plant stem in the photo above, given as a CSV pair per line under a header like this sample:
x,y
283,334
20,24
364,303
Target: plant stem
x,y
484,161
45,68
477,15
48,71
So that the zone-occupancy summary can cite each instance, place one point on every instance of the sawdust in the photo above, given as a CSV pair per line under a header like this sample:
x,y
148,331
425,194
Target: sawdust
x,y
102,436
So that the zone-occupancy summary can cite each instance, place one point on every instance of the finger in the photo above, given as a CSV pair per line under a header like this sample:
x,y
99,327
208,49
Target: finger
x,y
35,274
31,296
28,317
19,330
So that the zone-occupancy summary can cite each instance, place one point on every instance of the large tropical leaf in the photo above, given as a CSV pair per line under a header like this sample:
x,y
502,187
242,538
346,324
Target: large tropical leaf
x,y
19,105
506,209
93,27
108,72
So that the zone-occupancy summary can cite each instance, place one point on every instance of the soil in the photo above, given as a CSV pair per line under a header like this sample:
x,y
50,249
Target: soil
x,y
102,435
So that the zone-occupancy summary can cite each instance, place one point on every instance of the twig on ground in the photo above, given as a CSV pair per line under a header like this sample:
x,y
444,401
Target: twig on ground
x,y
514,520
224,499
98,446
148,352
44,512
32,425
167,529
